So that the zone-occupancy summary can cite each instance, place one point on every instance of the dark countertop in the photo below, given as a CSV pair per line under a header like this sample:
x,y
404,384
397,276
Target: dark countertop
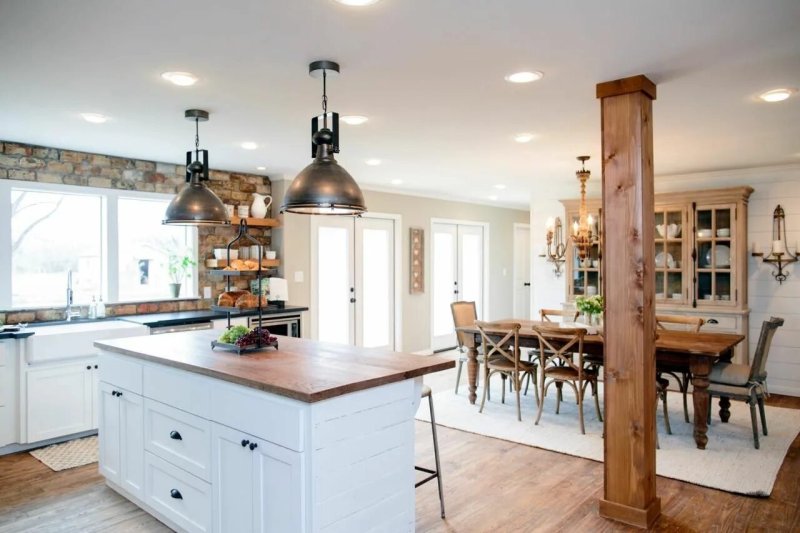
x,y
301,369
24,333
178,318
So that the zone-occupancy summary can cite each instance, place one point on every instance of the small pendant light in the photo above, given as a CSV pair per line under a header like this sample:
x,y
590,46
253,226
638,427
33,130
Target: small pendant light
x,y
323,187
196,204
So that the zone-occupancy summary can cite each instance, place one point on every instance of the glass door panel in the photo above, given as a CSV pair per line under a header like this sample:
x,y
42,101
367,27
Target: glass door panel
x,y
334,268
445,283
375,284
470,265
714,244
669,248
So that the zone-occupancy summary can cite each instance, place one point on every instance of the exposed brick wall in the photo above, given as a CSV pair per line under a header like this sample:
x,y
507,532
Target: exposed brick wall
x,y
24,162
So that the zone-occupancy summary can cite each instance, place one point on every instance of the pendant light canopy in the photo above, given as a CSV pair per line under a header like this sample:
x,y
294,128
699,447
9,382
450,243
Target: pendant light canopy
x,y
324,187
196,204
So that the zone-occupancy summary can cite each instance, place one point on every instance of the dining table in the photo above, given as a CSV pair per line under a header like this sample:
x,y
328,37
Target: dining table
x,y
696,352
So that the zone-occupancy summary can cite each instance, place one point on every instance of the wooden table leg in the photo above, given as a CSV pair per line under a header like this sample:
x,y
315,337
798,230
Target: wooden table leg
x,y
701,367
472,372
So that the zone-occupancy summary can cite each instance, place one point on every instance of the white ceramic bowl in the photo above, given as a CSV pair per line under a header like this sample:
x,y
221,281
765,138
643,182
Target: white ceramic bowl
x,y
724,232
677,296
673,231
271,254
704,233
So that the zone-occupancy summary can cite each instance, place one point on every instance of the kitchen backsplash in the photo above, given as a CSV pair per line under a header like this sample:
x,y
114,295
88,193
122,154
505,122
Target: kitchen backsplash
x,y
26,162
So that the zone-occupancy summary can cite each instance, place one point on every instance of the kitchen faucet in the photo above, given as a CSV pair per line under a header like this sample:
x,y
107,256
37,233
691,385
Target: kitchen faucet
x,y
70,314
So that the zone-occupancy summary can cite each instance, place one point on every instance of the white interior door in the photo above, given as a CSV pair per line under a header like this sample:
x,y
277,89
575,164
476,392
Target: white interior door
x,y
457,268
354,281
522,271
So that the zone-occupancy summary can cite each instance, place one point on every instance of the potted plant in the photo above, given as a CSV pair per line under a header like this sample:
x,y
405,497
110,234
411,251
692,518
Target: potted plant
x,y
179,267
590,307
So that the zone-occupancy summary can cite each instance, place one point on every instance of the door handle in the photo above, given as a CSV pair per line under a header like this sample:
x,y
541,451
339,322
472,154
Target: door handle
x,y
352,300
526,284
712,321
174,435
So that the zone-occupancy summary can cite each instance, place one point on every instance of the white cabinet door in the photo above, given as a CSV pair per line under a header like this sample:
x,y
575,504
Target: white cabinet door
x,y
59,400
109,432
278,490
131,442
233,478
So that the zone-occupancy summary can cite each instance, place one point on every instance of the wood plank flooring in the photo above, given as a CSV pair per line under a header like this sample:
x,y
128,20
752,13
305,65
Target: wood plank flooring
x,y
490,486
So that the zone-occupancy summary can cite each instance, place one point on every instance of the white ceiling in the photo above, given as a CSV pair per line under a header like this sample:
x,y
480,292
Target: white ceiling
x,y
427,73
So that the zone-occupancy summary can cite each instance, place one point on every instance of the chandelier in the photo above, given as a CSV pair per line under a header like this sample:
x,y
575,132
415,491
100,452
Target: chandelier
x,y
582,236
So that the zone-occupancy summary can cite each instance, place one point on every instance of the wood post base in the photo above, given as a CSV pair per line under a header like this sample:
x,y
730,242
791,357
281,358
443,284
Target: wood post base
x,y
633,516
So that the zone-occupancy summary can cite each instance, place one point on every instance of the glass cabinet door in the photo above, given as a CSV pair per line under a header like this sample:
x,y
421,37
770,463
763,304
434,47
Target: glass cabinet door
x,y
670,238
714,248
586,274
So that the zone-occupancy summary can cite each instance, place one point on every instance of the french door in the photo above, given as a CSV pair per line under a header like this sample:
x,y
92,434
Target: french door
x,y
522,271
353,287
458,274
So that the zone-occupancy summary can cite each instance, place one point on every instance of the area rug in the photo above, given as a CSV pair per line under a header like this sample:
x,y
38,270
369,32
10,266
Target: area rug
x,y
729,462
69,454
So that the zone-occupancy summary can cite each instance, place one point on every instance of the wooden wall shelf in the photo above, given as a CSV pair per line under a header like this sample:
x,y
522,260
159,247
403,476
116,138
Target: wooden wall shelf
x,y
265,263
257,222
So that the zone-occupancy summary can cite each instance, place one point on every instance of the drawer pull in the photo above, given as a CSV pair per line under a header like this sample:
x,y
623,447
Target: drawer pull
x,y
253,445
245,442
712,321
174,435
175,493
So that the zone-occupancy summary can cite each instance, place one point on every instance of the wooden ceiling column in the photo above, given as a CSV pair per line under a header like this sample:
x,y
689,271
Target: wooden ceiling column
x,y
629,368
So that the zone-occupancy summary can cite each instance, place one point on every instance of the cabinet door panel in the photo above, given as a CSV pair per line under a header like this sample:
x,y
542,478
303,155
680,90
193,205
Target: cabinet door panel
x,y
278,491
109,432
59,400
131,439
233,479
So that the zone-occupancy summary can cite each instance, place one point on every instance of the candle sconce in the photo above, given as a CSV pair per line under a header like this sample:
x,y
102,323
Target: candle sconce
x,y
779,256
556,249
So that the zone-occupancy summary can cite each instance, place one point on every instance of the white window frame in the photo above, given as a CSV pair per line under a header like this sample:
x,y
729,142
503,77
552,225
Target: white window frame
x,y
109,235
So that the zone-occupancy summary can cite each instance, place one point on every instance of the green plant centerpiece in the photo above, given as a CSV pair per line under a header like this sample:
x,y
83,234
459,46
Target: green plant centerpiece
x,y
179,268
591,307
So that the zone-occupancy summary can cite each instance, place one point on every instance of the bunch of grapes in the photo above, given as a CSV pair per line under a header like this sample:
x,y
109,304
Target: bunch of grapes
x,y
251,338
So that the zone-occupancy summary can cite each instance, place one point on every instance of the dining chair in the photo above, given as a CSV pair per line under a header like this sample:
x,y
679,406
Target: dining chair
x,y
547,315
464,314
503,357
681,374
561,360
437,473
746,382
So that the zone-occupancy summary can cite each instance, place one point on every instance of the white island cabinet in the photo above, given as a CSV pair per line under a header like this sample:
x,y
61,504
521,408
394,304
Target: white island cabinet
x,y
311,437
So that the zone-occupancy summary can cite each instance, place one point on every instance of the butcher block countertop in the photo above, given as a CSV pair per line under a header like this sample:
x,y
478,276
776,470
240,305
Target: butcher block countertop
x,y
301,369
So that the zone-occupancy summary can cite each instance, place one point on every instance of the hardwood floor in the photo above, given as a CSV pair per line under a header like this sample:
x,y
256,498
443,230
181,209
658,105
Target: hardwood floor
x,y
508,487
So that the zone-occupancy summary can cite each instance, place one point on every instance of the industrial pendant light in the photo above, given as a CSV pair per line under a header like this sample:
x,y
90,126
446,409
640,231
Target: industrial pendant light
x,y
323,187
196,204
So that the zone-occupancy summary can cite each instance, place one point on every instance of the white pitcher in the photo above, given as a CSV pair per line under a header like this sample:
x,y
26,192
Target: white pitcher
x,y
261,203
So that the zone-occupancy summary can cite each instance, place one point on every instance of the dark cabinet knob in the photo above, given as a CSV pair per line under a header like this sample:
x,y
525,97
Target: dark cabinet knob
x,y
88,367
119,393
253,445
175,493
245,442
113,393
526,284
352,300
174,435
95,366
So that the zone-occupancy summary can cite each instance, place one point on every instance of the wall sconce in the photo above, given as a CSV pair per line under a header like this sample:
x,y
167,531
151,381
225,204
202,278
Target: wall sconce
x,y
779,256
556,250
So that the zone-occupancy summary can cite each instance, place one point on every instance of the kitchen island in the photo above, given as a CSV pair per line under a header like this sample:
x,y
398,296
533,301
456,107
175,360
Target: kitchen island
x,y
310,437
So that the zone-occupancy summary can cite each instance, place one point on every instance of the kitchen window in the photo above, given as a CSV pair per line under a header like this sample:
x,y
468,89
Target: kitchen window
x,y
112,241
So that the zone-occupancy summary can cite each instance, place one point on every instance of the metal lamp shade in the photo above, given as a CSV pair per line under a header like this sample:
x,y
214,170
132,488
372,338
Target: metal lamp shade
x,y
324,188
196,205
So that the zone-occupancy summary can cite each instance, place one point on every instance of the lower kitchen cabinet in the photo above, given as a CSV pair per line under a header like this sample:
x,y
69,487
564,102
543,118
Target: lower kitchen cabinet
x,y
60,399
257,485
121,418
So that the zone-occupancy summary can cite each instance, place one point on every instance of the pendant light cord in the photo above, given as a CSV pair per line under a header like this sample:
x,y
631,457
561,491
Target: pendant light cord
x,y
324,99
197,139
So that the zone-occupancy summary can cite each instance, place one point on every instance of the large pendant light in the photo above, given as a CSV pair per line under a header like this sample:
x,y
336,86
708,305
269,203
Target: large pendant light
x,y
196,204
323,187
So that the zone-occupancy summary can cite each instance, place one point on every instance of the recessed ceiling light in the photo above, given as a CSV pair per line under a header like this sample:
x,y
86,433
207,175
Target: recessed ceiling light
x,y
354,120
261,168
373,162
777,95
358,2
524,137
249,145
94,118
525,76
493,197
184,79
397,182
500,187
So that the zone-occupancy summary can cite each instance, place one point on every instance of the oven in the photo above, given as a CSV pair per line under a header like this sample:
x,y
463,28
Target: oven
x,y
286,325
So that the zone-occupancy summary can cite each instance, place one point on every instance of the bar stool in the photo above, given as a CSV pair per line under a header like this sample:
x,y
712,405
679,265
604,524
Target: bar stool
x,y
426,392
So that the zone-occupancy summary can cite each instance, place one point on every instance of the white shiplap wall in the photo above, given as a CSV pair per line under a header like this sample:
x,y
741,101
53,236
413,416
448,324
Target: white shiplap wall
x,y
773,185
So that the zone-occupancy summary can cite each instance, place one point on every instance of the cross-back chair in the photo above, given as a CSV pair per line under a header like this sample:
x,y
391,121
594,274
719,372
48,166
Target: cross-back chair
x,y
681,374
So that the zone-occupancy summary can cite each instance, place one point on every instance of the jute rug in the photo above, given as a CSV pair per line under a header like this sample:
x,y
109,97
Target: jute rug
x,y
729,462
70,454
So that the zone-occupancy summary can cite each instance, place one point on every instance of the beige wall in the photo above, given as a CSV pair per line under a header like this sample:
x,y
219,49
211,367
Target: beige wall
x,y
293,245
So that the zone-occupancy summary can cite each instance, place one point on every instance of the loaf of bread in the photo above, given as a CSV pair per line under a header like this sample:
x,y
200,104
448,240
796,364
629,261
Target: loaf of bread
x,y
228,299
238,264
250,301
250,264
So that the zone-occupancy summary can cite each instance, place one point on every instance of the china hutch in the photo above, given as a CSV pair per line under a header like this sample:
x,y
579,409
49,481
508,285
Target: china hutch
x,y
700,258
